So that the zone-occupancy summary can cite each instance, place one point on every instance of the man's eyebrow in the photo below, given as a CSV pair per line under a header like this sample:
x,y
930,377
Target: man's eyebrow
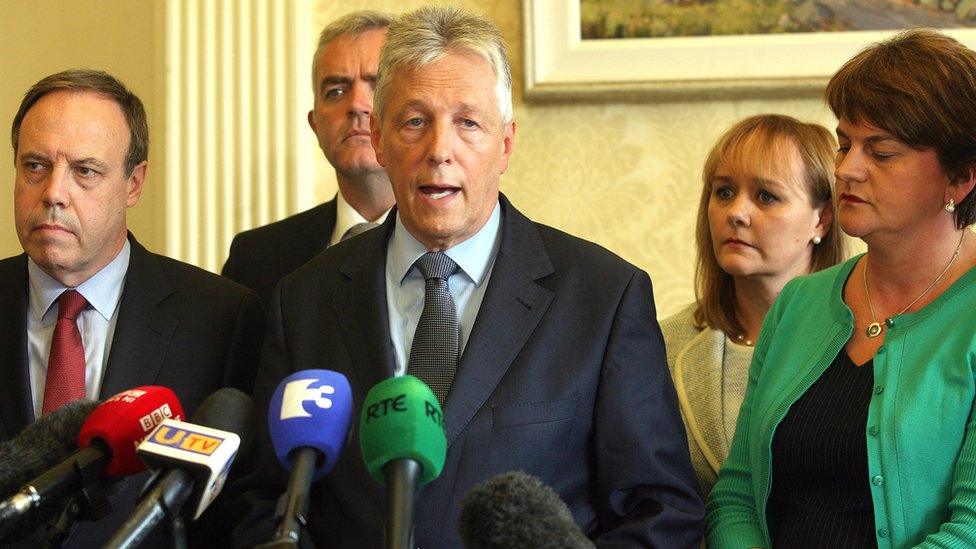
x,y
90,161
32,157
332,80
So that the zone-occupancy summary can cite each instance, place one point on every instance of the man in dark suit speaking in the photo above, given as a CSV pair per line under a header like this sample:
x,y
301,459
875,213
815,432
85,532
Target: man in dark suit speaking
x,y
87,311
550,359
343,78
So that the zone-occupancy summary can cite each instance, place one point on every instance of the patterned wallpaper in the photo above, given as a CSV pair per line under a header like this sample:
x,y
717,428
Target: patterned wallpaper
x,y
626,175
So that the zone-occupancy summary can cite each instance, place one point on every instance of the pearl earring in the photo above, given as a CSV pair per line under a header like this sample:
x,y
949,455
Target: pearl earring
x,y
816,240
950,206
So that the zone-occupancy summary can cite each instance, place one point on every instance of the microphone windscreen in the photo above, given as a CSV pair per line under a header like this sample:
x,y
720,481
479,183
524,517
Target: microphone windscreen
x,y
311,408
227,409
41,445
515,511
123,420
401,419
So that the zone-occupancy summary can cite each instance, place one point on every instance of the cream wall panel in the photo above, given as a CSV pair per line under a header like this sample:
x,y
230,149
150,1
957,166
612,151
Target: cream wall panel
x,y
235,135
626,175
41,37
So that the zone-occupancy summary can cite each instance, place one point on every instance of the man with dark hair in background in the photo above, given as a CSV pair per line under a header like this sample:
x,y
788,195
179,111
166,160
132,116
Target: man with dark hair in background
x,y
343,78
87,311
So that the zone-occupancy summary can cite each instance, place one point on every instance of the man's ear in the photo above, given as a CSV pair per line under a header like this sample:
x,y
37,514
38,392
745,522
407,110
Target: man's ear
x,y
134,184
376,138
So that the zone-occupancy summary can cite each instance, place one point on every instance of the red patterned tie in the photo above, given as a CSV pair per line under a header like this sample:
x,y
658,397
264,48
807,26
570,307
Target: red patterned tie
x,y
66,364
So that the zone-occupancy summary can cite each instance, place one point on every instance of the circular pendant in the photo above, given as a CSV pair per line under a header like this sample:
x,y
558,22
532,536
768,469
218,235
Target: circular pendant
x,y
874,329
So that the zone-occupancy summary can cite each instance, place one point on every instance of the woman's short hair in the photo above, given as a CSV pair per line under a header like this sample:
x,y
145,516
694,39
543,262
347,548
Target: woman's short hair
x,y
761,137
920,86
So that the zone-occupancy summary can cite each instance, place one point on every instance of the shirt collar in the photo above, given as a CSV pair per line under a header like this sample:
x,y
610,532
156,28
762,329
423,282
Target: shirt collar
x,y
347,217
474,255
102,290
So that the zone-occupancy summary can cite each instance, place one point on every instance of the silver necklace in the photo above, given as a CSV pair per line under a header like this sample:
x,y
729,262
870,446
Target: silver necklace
x,y
875,328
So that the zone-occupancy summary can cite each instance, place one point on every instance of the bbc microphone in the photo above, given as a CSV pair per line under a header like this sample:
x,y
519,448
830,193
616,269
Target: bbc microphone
x,y
517,511
401,431
191,461
107,446
308,420
37,447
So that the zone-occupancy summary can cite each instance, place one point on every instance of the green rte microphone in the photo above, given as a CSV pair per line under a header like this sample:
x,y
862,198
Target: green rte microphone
x,y
401,430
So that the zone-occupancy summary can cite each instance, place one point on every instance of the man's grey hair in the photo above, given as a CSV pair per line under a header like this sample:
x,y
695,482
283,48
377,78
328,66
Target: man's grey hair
x,y
352,24
419,38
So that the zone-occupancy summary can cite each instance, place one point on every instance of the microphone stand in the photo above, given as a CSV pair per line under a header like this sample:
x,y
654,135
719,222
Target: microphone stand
x,y
401,484
295,500
90,503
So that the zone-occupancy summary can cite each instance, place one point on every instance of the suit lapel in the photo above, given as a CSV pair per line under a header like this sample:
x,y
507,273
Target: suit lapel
x,y
319,228
143,330
698,380
16,408
361,307
512,308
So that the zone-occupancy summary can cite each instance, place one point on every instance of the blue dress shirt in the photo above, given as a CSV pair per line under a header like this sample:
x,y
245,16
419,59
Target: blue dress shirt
x,y
96,323
405,284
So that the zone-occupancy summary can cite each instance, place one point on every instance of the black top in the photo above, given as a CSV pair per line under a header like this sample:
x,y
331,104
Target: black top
x,y
820,495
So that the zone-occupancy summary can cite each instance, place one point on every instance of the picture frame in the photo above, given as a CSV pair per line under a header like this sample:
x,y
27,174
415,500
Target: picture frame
x,y
559,64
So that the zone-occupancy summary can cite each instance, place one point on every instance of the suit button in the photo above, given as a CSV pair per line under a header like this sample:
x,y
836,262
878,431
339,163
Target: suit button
x,y
882,532
873,431
879,389
878,480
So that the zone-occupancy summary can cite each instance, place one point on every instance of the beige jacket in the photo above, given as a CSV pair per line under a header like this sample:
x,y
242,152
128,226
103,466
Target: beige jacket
x,y
695,357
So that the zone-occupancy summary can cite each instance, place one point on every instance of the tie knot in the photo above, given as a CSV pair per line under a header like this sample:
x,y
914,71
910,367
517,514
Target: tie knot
x,y
70,304
436,265
358,228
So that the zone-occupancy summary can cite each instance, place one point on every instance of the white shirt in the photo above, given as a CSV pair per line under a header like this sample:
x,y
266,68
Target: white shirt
x,y
405,284
103,291
347,217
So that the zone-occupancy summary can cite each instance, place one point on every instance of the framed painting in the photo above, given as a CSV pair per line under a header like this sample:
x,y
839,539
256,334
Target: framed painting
x,y
710,48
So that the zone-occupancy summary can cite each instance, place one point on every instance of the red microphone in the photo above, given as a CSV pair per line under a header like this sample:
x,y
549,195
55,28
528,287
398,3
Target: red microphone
x,y
107,445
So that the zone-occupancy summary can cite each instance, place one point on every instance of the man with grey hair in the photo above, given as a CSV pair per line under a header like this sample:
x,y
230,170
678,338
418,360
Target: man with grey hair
x,y
542,347
87,311
343,77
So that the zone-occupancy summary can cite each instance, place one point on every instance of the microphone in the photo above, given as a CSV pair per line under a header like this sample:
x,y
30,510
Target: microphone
x,y
517,511
308,420
401,431
191,461
106,443
36,448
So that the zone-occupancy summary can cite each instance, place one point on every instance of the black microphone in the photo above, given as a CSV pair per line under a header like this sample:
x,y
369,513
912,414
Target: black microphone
x,y
191,460
517,511
106,445
36,448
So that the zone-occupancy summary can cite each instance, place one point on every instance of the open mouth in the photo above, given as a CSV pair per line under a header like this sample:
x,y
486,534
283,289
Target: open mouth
x,y
437,193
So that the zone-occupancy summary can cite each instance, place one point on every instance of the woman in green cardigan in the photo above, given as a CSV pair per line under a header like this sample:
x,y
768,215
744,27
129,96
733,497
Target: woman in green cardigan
x,y
857,426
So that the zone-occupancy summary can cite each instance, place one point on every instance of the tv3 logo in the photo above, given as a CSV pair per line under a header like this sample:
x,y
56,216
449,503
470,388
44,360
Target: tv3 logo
x,y
298,392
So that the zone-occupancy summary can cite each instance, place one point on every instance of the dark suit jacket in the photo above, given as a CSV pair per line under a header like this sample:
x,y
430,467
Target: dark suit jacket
x,y
564,376
179,326
260,257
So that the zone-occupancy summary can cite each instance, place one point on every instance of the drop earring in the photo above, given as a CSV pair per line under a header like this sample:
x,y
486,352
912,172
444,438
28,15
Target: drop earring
x,y
950,206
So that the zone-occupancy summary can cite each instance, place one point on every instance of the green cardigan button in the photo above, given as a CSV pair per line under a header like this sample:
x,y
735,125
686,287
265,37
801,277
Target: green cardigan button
x,y
873,430
879,389
882,533
878,480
